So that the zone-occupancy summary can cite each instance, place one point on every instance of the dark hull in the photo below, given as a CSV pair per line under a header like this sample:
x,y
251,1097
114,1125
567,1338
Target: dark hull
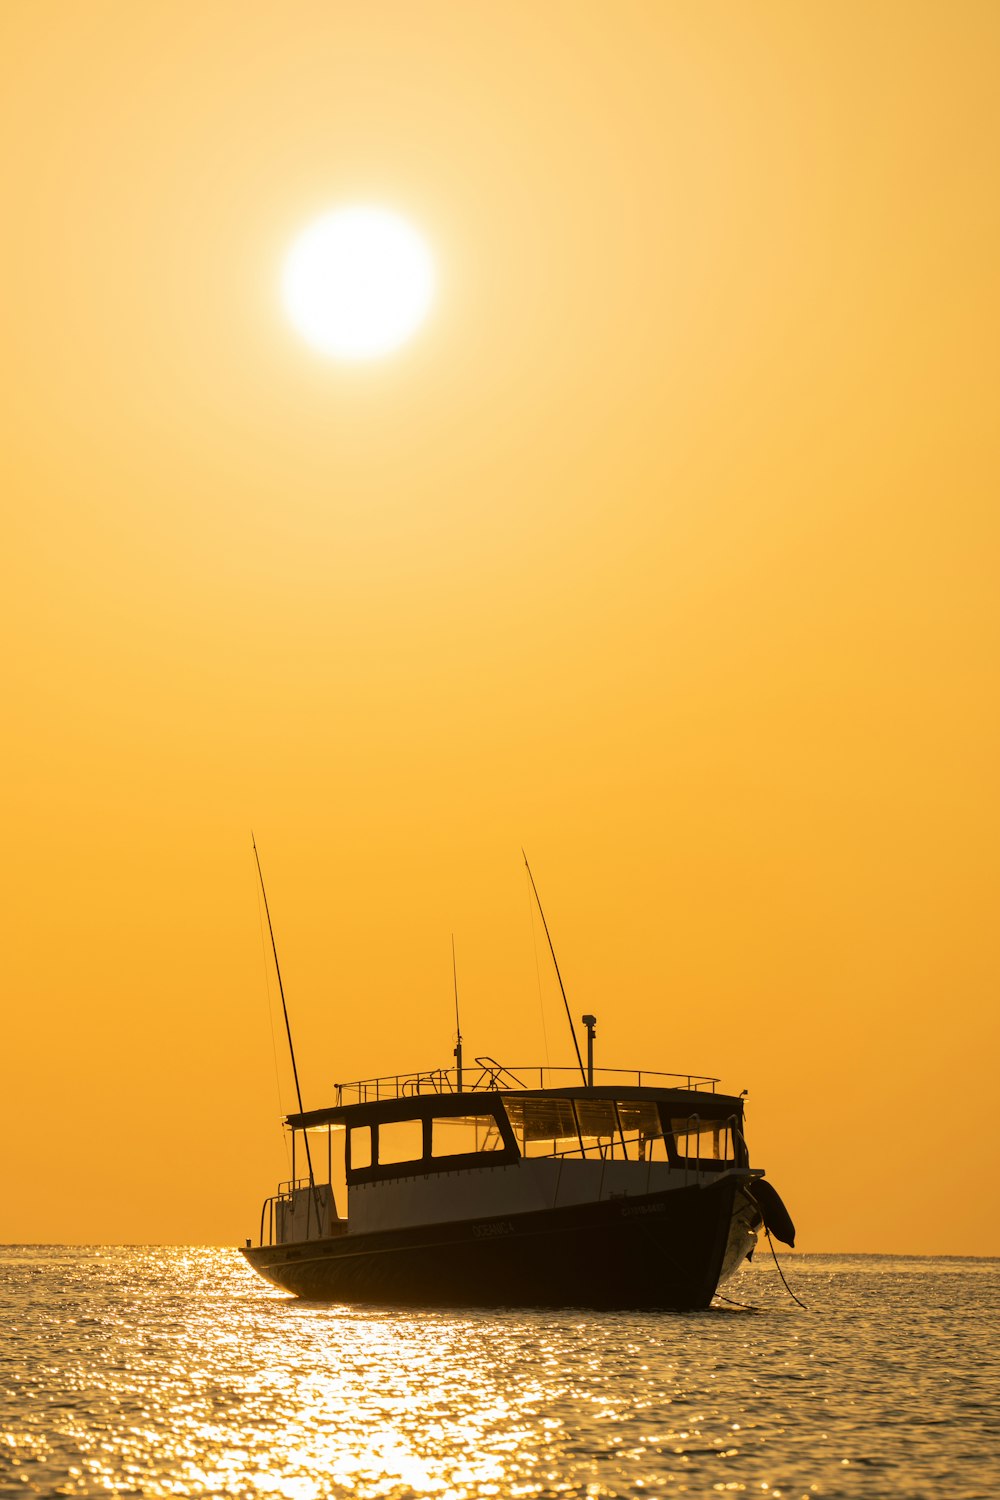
x,y
664,1250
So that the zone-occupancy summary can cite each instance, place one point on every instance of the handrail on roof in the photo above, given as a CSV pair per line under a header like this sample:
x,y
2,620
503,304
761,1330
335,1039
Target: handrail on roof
x,y
496,1072
493,1077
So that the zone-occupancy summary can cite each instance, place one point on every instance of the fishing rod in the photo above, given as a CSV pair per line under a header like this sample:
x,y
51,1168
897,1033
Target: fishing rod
x,y
458,1024
288,1033
562,987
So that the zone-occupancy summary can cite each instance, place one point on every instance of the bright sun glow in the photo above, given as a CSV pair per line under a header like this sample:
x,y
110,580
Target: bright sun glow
x,y
358,282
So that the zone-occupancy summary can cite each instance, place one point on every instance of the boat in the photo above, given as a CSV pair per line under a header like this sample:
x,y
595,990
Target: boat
x,y
624,1189
512,1186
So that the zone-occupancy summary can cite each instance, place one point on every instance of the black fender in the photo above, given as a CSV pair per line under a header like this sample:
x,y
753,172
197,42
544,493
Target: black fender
x,y
774,1213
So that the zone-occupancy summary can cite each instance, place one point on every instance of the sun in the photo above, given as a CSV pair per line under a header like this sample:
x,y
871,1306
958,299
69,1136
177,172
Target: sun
x,y
358,282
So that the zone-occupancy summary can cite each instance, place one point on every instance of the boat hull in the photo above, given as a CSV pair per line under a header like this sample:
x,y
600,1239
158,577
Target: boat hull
x,y
665,1250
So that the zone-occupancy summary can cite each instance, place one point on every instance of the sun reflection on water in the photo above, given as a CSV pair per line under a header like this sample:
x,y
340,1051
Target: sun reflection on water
x,y
163,1373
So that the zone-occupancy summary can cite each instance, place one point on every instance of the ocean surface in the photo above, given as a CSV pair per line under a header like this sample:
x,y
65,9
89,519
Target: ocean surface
x,y
169,1372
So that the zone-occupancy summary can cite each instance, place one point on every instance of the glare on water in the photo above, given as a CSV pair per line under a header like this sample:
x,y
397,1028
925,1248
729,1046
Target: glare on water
x,y
163,1372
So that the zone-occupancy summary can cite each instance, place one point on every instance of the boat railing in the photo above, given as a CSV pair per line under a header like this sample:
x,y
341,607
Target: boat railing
x,y
283,1201
284,1195
493,1077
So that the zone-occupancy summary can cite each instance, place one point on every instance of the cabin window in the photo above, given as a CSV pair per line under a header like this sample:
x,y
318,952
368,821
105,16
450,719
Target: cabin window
x,y
456,1136
361,1147
399,1141
703,1140
599,1128
543,1127
641,1132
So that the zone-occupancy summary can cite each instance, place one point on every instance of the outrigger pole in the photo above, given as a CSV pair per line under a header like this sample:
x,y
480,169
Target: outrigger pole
x,y
288,1033
562,987
458,1024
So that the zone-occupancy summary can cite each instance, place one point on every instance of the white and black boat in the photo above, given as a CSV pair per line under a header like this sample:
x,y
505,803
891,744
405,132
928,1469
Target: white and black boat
x,y
513,1186
617,1190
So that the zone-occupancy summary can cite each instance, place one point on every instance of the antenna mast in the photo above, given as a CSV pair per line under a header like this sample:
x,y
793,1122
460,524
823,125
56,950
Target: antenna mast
x,y
458,1024
562,987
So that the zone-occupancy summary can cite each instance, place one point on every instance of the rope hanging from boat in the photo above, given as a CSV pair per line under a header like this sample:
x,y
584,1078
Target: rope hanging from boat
x,y
746,1306
781,1272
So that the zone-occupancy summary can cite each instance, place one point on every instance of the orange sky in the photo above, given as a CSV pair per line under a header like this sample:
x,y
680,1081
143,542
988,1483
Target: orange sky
x,y
668,550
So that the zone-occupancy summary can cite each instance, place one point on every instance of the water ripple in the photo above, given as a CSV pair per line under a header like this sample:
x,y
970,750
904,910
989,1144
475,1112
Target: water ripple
x,y
166,1373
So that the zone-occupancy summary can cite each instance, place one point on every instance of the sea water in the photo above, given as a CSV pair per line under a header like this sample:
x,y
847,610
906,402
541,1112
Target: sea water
x,y
167,1372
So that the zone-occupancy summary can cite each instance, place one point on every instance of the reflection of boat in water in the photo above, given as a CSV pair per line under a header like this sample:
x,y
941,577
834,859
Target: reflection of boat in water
x,y
518,1186
633,1189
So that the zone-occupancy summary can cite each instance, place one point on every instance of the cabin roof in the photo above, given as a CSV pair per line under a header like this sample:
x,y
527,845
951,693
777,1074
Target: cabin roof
x,y
478,1102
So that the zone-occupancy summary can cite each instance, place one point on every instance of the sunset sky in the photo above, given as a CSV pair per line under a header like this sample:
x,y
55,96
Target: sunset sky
x,y
667,549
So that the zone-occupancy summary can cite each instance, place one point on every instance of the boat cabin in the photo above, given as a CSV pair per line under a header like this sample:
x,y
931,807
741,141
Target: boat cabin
x,y
422,1148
